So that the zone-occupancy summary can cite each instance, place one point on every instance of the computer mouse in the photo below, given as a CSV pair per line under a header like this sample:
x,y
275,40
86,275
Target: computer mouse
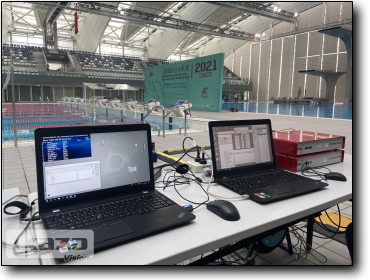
x,y
224,209
335,176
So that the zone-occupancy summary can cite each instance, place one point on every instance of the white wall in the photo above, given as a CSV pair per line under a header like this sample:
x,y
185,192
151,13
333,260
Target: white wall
x,y
6,19
276,77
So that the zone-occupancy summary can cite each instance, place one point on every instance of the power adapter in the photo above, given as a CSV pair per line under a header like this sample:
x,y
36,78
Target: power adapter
x,y
197,167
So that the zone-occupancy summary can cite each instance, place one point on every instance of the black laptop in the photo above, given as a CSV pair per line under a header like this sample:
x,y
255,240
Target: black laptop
x,y
100,178
243,161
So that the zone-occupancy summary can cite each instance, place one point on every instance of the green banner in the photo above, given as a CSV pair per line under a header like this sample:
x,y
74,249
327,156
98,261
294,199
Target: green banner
x,y
198,80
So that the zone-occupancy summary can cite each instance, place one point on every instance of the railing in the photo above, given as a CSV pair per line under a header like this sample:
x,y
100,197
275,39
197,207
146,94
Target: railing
x,y
344,20
325,67
159,130
175,124
163,118
244,81
70,59
44,56
186,111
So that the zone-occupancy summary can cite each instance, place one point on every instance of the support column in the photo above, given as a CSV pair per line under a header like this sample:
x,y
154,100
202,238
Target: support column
x,y
346,36
44,29
13,99
330,79
55,35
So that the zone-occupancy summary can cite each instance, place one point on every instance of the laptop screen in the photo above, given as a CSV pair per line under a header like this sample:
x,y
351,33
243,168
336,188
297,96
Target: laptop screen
x,y
242,145
78,165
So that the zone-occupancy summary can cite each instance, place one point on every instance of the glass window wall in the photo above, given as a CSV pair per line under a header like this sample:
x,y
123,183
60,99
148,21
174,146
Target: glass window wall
x,y
25,93
47,93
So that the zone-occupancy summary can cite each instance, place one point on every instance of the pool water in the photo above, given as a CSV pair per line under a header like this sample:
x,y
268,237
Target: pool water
x,y
304,110
31,117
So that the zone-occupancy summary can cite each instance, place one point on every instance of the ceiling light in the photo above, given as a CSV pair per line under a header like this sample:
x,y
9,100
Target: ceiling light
x,y
263,34
279,10
296,14
275,9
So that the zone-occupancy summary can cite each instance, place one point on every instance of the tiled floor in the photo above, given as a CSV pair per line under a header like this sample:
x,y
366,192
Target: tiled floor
x,y
19,170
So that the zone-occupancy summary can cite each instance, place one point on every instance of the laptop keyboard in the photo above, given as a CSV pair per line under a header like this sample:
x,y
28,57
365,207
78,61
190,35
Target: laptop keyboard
x,y
91,217
249,182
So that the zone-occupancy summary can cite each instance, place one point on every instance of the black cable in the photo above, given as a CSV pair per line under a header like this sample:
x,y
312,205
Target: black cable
x,y
312,172
182,180
171,164
183,147
287,157
313,234
332,220
324,227
258,247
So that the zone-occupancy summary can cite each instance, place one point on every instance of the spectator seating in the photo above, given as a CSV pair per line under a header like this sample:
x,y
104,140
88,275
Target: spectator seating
x,y
22,55
106,63
89,61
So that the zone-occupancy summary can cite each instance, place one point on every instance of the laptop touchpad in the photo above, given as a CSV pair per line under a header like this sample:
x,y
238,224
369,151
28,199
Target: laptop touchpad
x,y
111,231
282,190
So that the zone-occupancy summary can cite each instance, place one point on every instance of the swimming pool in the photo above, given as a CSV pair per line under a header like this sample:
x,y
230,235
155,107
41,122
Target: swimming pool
x,y
305,110
32,116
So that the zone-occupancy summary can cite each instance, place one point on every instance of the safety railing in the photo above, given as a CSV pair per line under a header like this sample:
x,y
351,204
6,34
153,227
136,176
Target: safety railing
x,y
159,129
163,117
70,59
324,67
175,124
44,57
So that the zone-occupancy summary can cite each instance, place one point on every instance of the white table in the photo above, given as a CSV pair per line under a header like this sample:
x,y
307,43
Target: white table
x,y
11,228
208,231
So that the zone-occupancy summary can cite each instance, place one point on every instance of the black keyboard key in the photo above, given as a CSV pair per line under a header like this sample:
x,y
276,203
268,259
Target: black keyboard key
x,y
59,227
101,220
54,224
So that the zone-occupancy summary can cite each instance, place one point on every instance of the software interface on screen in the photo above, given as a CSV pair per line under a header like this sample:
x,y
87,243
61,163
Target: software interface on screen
x,y
77,164
238,146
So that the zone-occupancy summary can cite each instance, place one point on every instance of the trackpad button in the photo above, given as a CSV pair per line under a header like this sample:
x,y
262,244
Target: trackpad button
x,y
112,230
282,190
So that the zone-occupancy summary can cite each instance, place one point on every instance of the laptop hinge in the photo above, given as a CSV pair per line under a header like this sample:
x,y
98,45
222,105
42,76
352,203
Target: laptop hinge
x,y
56,210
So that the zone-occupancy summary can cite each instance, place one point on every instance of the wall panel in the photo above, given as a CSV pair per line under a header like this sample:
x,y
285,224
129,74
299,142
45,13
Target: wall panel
x,y
286,67
228,61
237,55
298,80
314,43
275,68
254,68
340,88
312,81
264,67
301,47
245,60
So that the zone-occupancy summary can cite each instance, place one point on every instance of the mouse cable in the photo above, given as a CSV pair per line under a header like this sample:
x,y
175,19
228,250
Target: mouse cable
x,y
312,171
243,197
